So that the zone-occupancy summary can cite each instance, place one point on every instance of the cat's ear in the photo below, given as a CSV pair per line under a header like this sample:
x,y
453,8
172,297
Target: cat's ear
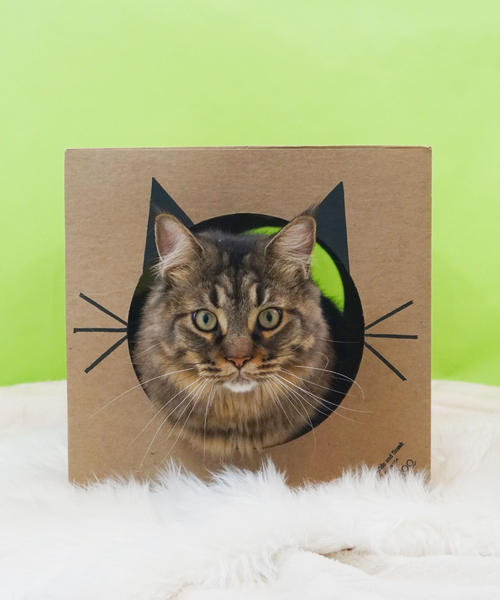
x,y
292,247
177,247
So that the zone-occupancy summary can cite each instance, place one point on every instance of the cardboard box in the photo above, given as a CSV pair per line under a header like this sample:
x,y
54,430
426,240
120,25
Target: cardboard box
x,y
384,195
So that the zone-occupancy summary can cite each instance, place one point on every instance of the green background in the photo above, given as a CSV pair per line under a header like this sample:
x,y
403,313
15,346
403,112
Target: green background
x,y
237,72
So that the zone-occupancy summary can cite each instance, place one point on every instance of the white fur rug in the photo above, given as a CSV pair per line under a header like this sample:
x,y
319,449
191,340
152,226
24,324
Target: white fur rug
x,y
249,536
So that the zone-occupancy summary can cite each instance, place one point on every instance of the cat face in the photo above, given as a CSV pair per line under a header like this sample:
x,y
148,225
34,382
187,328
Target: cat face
x,y
234,327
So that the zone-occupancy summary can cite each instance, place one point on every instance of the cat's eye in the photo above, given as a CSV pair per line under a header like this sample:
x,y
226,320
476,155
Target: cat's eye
x,y
270,318
205,320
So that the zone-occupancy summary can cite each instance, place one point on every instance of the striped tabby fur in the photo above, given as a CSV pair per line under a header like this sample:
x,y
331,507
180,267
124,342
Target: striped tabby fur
x,y
216,404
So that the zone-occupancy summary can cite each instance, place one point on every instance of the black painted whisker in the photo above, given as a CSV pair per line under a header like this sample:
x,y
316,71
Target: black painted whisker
x,y
396,336
389,314
105,354
102,309
100,329
386,362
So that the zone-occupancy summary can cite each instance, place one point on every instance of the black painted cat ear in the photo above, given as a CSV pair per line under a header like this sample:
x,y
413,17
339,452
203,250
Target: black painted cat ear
x,y
331,222
177,247
292,247
160,202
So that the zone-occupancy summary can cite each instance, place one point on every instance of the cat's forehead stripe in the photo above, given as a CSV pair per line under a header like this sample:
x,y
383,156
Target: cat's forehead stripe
x,y
214,297
222,322
224,288
260,294
252,294
222,296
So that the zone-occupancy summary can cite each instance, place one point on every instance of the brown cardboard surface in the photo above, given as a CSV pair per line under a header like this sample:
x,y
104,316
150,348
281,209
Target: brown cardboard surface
x,y
388,211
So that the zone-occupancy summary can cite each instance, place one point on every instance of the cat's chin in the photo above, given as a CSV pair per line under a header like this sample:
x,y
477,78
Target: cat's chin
x,y
240,386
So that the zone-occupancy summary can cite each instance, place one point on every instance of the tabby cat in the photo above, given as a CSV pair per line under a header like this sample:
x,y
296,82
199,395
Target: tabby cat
x,y
233,346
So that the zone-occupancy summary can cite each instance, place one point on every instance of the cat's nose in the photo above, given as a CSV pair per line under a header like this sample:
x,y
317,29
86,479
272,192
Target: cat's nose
x,y
238,361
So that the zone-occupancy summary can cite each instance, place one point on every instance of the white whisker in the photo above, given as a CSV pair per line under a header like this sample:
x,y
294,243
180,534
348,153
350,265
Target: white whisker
x,y
313,396
193,401
136,386
276,397
334,373
307,338
209,402
288,391
159,411
165,420
147,349
338,341
331,390
321,354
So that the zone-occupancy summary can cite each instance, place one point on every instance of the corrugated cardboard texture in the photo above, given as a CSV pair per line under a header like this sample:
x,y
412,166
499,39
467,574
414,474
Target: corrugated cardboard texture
x,y
388,210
